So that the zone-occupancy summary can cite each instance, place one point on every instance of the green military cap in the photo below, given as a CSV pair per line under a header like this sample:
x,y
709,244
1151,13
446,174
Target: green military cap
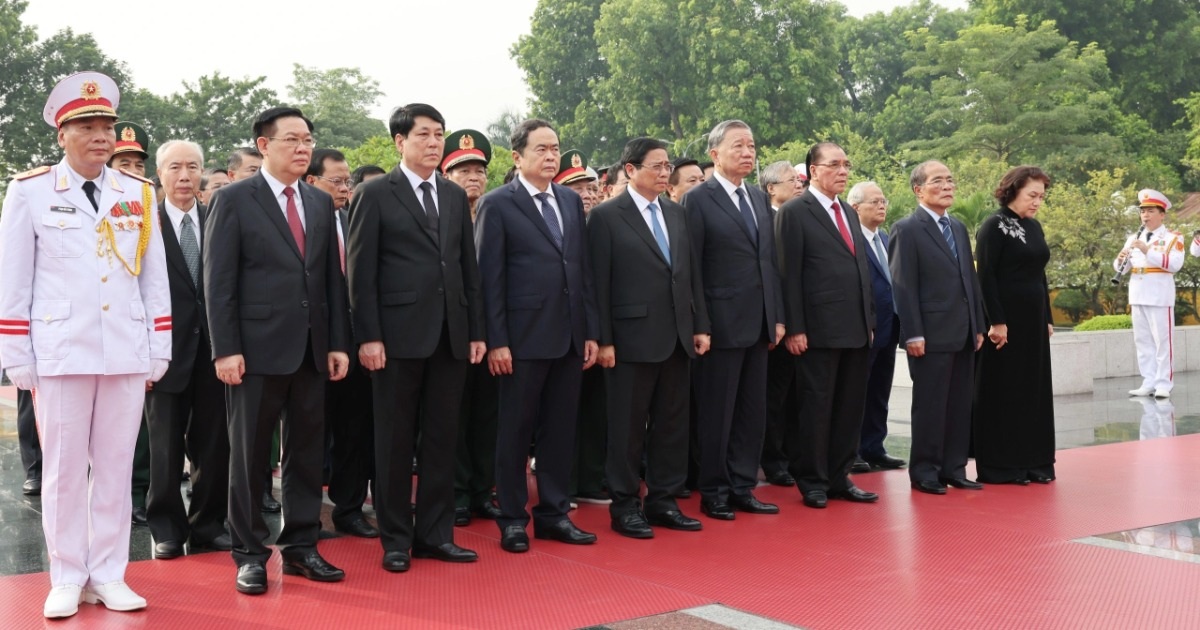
x,y
572,168
131,138
466,145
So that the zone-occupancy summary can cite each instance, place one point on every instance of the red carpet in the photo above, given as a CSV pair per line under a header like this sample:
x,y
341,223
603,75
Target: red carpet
x,y
999,558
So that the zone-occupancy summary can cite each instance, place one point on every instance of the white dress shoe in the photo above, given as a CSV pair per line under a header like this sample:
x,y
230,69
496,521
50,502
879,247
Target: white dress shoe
x,y
63,601
114,596
1141,391
1162,393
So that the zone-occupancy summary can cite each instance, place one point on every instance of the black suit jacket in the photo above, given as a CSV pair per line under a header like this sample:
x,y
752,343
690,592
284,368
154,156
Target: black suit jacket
x,y
741,283
938,297
887,327
265,301
405,280
538,299
646,304
190,328
827,289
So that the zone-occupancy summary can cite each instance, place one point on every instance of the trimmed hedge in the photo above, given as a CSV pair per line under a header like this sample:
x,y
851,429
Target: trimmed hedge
x,y
1106,322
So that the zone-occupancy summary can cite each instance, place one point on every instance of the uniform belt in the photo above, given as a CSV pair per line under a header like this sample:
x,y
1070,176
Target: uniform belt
x,y
1148,270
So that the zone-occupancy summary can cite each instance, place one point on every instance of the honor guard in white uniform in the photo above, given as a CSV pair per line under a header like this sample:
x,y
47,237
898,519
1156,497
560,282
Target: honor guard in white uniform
x,y
85,322
1152,257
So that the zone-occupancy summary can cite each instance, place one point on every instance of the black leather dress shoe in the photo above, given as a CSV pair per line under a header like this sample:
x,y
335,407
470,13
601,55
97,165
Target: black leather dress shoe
x,y
357,526
446,552
962,484
632,525
719,511
487,510
269,504
139,516
816,499
564,531
32,487
220,543
514,539
859,467
781,478
929,487
462,516
1036,478
887,462
683,494
312,566
395,561
854,494
674,519
747,503
167,550
252,579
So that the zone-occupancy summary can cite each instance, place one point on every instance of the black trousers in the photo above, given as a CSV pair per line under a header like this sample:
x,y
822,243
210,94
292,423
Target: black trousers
x,y
475,453
832,383
782,408
647,414
193,422
27,435
941,414
349,420
591,435
881,367
539,401
731,397
410,395
254,408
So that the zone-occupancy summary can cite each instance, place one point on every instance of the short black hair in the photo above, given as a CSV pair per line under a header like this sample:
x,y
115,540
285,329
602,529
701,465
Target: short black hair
x,y
679,163
520,136
637,149
264,124
209,172
361,173
814,154
704,166
235,158
404,117
316,165
613,172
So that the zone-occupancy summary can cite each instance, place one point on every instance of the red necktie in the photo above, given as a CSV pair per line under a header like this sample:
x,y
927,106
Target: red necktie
x,y
841,223
293,217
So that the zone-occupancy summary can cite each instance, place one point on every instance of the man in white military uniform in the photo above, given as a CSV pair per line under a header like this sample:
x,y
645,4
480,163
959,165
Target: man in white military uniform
x,y
1154,254
85,322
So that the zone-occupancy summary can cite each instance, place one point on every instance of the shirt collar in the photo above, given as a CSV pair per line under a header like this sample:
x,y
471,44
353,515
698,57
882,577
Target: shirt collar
x,y
825,202
77,179
932,214
867,232
730,188
276,185
532,190
640,201
416,181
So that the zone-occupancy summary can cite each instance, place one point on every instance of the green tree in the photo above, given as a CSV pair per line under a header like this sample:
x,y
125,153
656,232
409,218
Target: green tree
x,y
339,102
233,102
500,130
377,150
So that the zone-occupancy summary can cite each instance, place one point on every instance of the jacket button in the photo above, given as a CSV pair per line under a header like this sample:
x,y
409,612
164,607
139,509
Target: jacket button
x,y
566,291
103,278
304,304
195,331
104,308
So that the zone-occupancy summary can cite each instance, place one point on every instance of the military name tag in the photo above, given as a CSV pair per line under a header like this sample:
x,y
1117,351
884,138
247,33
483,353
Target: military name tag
x,y
67,209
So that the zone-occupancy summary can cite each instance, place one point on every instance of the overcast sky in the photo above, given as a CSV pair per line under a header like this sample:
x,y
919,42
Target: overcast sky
x,y
467,72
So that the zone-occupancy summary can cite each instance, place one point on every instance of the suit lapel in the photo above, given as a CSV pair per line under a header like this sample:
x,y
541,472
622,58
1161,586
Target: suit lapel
x,y
935,232
529,207
676,228
404,192
275,214
171,245
445,220
633,217
312,219
718,194
821,216
72,192
874,257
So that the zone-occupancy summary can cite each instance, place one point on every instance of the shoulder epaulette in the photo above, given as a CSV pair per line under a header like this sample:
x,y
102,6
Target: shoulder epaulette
x,y
135,176
41,170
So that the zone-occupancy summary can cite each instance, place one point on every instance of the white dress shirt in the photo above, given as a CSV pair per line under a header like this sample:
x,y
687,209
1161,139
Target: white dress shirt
x,y
731,190
277,189
643,207
534,192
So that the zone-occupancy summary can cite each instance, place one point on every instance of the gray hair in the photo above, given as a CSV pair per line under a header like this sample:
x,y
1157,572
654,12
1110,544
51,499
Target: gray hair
x,y
918,175
171,144
717,135
859,192
776,173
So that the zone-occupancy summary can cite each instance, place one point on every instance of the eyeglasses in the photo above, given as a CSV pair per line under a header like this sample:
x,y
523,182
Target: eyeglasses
x,y
878,202
667,168
837,165
338,182
293,142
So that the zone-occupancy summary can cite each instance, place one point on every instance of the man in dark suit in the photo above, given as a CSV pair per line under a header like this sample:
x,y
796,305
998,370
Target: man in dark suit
x,y
733,244
941,325
871,207
827,290
349,419
187,406
277,316
418,320
646,290
542,326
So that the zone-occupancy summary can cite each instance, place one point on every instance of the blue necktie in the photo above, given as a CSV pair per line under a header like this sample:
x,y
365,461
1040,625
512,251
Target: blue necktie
x,y
747,214
659,236
948,235
551,219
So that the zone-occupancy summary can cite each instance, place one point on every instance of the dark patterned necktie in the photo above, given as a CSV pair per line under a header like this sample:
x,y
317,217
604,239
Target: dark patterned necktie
x,y
190,248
